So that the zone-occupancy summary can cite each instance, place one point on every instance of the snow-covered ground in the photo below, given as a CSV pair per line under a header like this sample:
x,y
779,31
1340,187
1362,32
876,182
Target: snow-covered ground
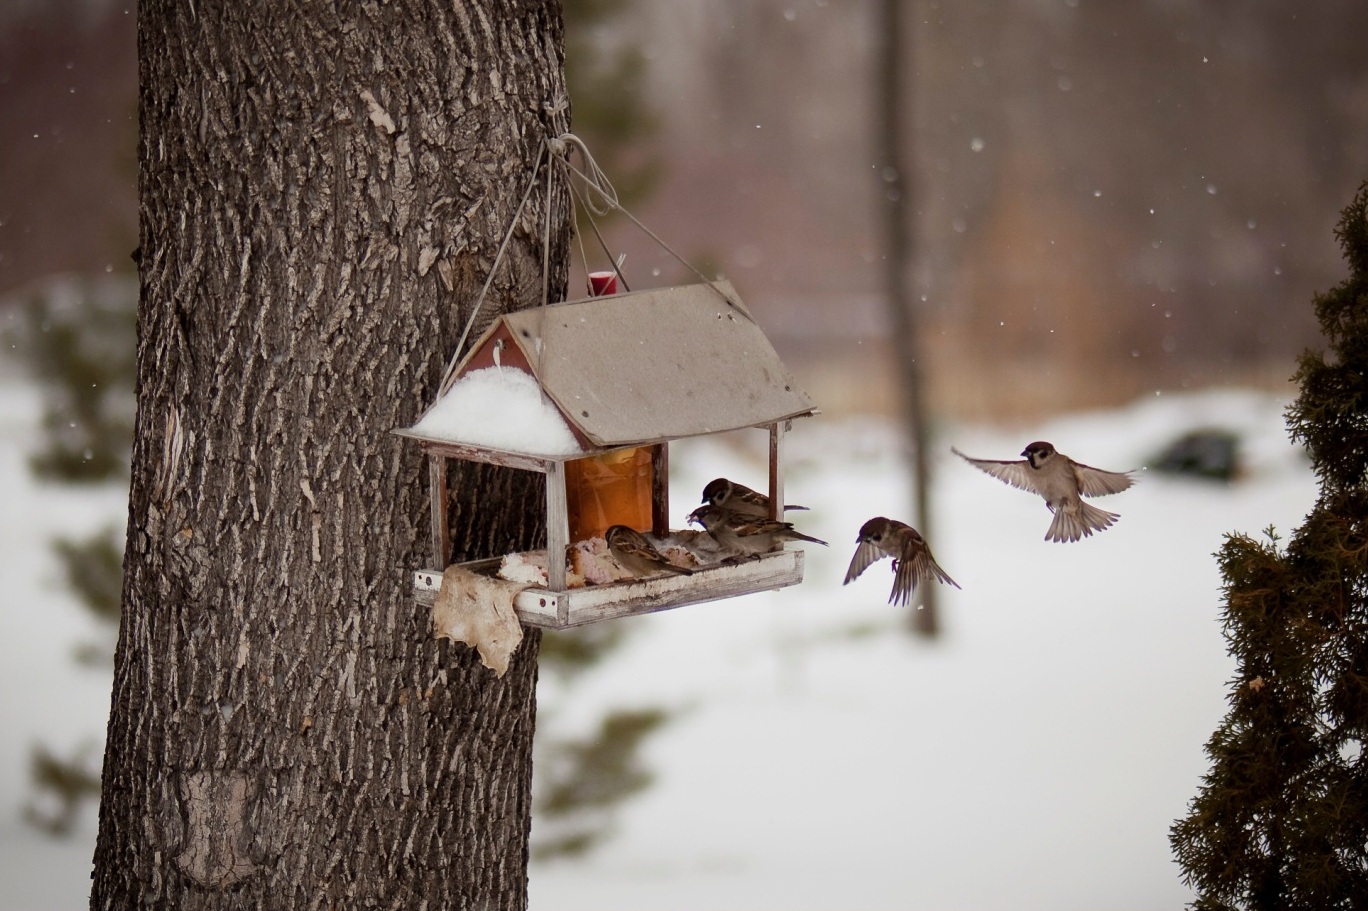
x,y
822,757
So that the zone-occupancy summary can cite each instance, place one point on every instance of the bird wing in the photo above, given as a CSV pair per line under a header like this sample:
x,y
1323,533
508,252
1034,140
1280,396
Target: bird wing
x,y
743,495
1018,474
754,500
1094,482
866,555
917,566
905,579
744,526
928,570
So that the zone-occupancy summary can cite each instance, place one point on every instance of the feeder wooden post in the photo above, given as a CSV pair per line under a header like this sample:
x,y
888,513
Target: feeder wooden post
x,y
441,523
660,489
557,526
776,469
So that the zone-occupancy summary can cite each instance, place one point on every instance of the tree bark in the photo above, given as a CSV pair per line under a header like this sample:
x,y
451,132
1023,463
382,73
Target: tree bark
x,y
323,189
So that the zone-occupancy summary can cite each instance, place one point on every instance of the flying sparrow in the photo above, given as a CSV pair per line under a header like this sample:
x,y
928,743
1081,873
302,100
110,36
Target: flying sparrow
x,y
739,498
1061,481
912,560
637,555
748,535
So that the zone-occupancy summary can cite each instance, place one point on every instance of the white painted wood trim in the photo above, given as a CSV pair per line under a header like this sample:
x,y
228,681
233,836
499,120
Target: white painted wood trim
x,y
579,606
557,526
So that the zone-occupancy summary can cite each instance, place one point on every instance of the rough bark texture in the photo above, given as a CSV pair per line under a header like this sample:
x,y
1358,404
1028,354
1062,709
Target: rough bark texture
x,y
323,189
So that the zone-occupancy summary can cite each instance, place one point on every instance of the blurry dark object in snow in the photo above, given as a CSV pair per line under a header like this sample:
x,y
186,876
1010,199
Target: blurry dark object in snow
x,y
77,336
1208,453
64,785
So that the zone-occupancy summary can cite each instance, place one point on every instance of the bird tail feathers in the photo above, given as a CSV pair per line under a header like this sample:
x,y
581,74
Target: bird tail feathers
x,y
1079,521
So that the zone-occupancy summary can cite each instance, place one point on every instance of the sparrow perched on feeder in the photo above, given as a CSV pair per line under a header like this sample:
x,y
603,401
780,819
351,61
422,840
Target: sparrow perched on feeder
x,y
746,535
1061,481
739,498
912,560
638,556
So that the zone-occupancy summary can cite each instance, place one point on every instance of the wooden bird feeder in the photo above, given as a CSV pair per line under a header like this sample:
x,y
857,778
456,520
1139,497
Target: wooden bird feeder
x,y
626,374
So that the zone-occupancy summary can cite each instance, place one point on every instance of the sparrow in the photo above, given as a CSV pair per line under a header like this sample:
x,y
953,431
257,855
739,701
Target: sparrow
x,y
912,560
748,535
739,498
1061,481
638,556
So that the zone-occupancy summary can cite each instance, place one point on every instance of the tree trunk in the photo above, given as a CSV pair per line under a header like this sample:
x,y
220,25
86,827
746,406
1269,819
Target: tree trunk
x,y
323,190
895,45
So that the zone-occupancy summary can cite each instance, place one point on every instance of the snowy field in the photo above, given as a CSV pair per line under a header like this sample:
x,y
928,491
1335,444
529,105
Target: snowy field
x,y
822,757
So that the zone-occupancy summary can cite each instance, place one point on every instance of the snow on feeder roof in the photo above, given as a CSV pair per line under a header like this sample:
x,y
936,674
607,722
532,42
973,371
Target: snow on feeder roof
x,y
501,409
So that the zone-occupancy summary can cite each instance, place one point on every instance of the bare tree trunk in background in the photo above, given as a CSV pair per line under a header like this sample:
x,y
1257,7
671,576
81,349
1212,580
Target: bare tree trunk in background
x,y
323,189
894,45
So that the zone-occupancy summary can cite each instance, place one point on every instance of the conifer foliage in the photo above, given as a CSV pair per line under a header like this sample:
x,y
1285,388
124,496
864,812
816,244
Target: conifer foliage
x,y
1281,820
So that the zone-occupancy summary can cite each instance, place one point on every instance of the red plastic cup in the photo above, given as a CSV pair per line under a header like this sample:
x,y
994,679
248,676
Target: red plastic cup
x,y
601,283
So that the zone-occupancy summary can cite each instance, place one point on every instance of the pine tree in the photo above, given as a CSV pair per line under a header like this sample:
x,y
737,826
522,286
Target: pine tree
x,y
1281,821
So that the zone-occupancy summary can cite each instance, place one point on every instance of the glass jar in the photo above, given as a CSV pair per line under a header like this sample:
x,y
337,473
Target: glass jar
x,y
609,489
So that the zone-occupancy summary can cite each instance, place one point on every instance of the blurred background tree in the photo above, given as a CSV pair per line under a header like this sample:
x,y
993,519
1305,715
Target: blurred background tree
x,y
1281,821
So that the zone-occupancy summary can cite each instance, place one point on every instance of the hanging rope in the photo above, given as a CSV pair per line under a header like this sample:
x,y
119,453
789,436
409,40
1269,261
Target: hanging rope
x,y
599,198
597,182
493,270
546,243
593,225
561,147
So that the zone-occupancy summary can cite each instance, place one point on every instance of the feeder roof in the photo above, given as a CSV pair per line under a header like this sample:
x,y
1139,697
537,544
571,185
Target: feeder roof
x,y
649,366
